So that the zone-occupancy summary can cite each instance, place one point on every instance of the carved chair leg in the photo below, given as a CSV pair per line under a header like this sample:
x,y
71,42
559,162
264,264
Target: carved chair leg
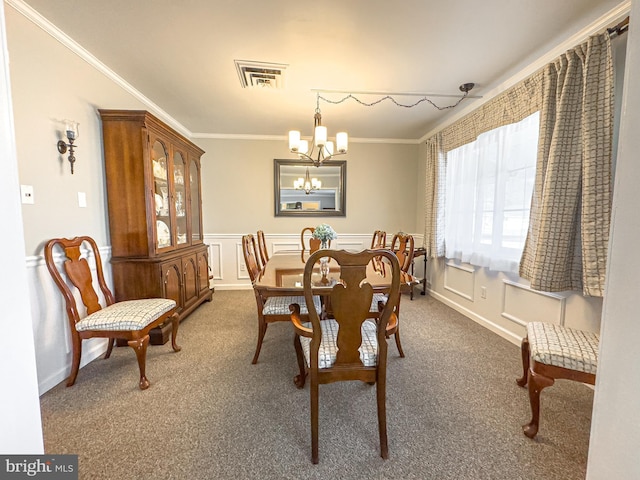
x,y
140,347
382,416
299,379
398,344
75,362
262,329
536,383
109,348
524,351
175,322
314,393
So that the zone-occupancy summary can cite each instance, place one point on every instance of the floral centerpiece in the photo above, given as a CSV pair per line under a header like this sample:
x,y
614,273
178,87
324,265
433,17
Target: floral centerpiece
x,y
324,233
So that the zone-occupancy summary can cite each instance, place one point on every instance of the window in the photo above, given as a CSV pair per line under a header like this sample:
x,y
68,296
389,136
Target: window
x,y
489,184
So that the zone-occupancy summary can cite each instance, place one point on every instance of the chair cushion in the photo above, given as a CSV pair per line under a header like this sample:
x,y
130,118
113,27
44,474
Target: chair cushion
x,y
127,315
280,305
377,297
328,349
563,347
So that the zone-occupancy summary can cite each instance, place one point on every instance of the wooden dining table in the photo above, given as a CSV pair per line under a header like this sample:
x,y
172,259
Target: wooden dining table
x,y
283,274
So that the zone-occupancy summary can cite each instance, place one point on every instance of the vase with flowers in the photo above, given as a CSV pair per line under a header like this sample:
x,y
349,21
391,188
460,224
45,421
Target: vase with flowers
x,y
324,233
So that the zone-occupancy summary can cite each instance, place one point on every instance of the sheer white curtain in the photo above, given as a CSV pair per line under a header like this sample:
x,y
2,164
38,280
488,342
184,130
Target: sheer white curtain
x,y
489,183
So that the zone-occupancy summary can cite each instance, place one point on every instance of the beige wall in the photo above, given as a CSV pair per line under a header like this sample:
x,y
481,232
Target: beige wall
x,y
49,84
238,194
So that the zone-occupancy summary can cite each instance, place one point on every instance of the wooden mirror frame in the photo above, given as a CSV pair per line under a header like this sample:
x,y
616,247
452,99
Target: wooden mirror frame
x,y
341,186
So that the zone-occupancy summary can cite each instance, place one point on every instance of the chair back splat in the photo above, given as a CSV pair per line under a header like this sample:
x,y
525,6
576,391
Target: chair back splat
x,y
352,344
308,242
403,245
130,320
262,247
379,239
249,252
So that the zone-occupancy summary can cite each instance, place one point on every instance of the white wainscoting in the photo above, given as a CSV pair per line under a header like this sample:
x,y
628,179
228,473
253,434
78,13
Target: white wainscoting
x,y
460,279
518,300
227,262
52,337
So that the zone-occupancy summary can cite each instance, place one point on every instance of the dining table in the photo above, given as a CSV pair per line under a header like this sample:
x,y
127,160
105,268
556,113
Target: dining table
x,y
283,273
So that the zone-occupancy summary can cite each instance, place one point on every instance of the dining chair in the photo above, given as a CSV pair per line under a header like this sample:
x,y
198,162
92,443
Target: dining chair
x,y
129,320
551,352
270,308
308,242
351,345
402,245
262,248
379,239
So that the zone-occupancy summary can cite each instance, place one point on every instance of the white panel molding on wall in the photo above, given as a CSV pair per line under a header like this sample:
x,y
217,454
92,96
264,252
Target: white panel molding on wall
x,y
460,279
522,305
476,317
215,259
226,254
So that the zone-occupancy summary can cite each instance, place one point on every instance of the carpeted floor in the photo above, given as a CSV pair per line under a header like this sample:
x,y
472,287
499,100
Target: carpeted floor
x,y
454,410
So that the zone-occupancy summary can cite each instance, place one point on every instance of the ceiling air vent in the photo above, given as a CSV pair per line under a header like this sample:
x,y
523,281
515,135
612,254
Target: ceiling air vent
x,y
260,74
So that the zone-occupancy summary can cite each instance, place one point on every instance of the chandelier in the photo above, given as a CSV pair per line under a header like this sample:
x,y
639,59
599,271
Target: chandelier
x,y
322,149
307,183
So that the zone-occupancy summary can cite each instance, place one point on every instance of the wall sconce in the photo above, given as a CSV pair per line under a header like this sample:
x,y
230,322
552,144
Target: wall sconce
x,y
71,129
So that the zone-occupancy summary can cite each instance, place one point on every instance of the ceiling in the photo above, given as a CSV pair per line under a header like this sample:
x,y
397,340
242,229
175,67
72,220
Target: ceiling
x,y
180,54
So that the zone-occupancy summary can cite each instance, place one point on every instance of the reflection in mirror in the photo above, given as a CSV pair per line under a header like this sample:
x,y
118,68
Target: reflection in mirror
x,y
301,189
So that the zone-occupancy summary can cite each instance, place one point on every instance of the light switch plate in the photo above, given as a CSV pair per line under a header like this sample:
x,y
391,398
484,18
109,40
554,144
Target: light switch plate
x,y
82,199
26,192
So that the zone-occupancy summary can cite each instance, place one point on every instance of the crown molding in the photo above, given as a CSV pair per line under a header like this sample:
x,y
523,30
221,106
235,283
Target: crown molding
x,y
32,15
284,138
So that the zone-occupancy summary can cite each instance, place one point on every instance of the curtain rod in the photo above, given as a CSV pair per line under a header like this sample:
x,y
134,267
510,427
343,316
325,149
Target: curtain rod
x,y
620,28
407,94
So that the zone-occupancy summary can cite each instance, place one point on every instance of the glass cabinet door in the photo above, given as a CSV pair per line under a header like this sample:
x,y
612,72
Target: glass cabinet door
x,y
194,191
162,194
180,199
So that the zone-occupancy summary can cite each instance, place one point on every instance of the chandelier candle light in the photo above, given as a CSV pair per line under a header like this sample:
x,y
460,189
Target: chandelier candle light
x,y
307,183
325,147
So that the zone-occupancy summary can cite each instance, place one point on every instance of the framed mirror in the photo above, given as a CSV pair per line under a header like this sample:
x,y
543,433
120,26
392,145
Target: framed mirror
x,y
304,190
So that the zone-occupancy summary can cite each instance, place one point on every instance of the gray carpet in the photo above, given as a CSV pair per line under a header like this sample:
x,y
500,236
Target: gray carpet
x,y
454,410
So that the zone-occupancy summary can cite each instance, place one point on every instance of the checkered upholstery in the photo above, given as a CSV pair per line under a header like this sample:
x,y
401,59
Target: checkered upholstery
x,y
328,349
280,305
563,347
127,315
377,297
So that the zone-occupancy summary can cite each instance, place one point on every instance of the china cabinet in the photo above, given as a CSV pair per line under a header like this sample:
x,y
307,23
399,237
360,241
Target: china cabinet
x,y
155,215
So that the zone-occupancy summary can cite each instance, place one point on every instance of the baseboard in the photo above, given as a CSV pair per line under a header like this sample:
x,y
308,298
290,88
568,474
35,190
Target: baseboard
x,y
497,329
88,355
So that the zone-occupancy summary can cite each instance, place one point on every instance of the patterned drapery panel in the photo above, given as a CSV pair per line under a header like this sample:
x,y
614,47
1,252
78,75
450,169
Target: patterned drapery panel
x,y
566,247
434,198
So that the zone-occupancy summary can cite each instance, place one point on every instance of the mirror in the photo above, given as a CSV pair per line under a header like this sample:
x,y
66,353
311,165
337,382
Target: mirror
x,y
324,194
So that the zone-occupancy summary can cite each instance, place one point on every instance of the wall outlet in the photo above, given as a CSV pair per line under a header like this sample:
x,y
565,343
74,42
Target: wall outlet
x,y
483,292
26,192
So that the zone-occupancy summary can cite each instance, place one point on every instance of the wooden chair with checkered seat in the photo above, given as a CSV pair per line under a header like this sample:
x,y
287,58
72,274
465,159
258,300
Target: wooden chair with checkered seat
x,y
270,308
129,320
351,345
551,352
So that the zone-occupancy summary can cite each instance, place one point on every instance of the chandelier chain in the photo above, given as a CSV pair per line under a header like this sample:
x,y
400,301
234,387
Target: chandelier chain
x,y
389,97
